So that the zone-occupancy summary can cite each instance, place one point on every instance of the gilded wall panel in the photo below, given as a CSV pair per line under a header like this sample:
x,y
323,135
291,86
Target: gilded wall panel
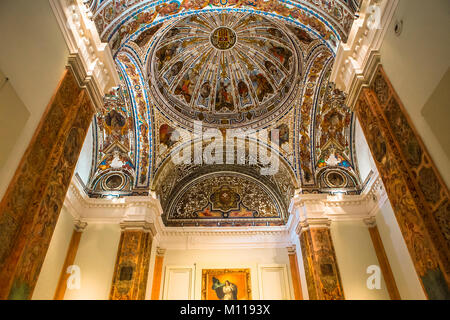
x,y
321,269
416,191
132,265
30,208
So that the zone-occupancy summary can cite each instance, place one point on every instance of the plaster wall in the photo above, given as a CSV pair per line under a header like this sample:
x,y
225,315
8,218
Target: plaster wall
x,y
96,258
54,259
355,253
263,283
33,57
416,63
399,258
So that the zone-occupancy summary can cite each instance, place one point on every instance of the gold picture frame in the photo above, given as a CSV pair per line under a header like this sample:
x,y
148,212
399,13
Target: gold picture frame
x,y
226,284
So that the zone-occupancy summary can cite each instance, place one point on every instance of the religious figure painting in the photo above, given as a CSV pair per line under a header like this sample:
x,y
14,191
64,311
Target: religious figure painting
x,y
226,284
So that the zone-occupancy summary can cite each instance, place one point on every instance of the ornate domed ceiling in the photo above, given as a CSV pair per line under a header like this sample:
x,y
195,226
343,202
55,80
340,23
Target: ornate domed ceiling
x,y
226,70
250,65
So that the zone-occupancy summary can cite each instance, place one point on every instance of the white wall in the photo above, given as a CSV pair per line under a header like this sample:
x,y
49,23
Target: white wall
x,y
84,164
257,260
33,56
355,253
54,260
416,62
96,258
364,158
399,258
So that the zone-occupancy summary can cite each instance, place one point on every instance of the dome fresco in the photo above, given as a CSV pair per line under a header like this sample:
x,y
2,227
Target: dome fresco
x,y
225,70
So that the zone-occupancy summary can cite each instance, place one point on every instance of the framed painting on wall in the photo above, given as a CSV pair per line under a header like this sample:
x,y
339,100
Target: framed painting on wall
x,y
226,284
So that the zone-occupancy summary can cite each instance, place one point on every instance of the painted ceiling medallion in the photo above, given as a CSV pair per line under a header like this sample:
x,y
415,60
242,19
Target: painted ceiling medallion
x,y
223,38
224,198
226,70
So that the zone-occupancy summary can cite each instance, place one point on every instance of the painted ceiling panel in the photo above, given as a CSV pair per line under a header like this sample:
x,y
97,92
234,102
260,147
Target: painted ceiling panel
x,y
260,66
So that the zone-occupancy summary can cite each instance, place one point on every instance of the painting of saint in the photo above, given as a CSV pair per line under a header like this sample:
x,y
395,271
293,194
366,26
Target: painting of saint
x,y
174,71
283,132
282,54
226,284
261,85
187,85
224,291
205,92
115,124
172,32
244,94
273,71
302,35
242,89
145,36
274,32
224,99
333,127
167,135
166,53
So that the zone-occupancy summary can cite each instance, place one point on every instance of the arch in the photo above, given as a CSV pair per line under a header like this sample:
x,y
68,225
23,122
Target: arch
x,y
116,19
143,116
224,198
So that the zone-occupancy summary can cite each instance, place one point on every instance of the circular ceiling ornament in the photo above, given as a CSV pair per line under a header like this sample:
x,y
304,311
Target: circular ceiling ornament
x,y
335,179
114,181
226,70
223,38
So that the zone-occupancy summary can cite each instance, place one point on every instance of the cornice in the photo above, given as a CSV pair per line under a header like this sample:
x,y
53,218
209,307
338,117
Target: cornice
x,y
139,226
357,59
306,211
90,60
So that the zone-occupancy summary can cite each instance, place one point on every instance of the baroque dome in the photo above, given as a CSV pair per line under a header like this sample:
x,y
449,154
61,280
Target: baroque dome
x,y
226,70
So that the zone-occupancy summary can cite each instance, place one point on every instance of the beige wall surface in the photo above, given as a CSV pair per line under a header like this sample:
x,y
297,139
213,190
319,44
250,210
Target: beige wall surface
x,y
54,259
253,259
401,263
33,56
96,258
355,253
416,62
84,164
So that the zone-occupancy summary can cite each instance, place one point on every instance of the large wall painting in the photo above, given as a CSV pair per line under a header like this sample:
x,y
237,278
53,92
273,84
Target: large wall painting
x,y
226,284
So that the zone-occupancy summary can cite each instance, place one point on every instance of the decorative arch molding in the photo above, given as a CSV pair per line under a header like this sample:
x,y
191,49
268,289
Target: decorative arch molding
x,y
116,18
325,127
170,176
250,142
318,57
224,198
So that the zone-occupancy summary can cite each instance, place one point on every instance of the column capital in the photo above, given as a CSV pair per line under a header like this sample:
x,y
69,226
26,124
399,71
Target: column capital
x,y
80,225
160,252
291,250
311,223
90,59
129,225
370,222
